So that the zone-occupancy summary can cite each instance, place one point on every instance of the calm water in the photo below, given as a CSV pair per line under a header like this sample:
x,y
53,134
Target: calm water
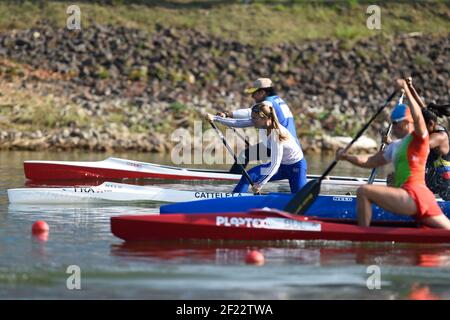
x,y
80,235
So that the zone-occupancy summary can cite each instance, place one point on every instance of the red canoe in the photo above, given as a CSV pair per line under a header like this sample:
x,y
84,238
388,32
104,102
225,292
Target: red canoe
x,y
116,169
263,225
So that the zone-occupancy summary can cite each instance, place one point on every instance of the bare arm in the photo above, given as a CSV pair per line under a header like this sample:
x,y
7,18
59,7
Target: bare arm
x,y
439,139
364,161
420,127
414,93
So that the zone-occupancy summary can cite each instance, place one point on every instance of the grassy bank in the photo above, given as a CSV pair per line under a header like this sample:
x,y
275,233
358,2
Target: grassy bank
x,y
261,22
37,97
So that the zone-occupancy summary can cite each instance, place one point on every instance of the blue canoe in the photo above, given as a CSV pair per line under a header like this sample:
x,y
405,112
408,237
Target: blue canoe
x,y
325,206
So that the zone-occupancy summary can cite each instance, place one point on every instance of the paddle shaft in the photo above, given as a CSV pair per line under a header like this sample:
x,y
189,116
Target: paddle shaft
x,y
358,135
373,174
225,143
383,143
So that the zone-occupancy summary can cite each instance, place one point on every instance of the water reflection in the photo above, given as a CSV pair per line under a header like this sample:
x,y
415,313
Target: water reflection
x,y
318,253
421,292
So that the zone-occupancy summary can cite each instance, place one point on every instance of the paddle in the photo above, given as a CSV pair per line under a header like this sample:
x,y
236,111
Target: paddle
x,y
383,143
304,198
249,179
373,174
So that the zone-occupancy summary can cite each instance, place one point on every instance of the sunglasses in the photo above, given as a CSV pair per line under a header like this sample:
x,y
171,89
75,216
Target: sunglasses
x,y
256,92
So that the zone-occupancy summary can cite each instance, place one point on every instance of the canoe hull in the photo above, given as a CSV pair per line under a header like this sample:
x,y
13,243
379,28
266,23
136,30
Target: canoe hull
x,y
262,226
110,192
117,169
325,206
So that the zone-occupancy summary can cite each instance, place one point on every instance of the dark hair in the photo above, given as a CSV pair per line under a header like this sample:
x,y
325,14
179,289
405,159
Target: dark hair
x,y
439,110
270,91
428,115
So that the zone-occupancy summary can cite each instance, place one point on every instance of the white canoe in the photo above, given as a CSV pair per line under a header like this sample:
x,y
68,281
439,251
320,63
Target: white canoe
x,y
110,192
116,169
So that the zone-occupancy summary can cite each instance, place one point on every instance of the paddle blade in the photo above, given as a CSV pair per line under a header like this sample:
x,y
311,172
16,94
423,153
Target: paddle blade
x,y
303,199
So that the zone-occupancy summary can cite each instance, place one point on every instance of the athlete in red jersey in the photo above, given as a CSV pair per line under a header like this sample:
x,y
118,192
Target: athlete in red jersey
x,y
409,196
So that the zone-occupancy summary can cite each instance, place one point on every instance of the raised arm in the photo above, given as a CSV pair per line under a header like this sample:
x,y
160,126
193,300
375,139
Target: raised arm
x,y
420,127
414,93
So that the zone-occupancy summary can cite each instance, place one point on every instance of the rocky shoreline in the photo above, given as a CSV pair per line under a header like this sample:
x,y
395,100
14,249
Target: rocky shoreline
x,y
115,88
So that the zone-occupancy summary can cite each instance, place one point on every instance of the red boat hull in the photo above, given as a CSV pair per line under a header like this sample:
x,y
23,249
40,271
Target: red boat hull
x,y
115,169
264,226
52,172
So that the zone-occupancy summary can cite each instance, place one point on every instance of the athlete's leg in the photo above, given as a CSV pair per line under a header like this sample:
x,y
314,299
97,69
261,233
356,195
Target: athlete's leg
x,y
396,200
254,173
297,175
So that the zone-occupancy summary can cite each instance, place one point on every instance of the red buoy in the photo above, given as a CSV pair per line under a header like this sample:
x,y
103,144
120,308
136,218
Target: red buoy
x,y
255,257
39,226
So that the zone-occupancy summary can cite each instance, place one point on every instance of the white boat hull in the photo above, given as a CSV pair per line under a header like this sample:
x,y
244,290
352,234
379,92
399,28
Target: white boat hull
x,y
110,192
